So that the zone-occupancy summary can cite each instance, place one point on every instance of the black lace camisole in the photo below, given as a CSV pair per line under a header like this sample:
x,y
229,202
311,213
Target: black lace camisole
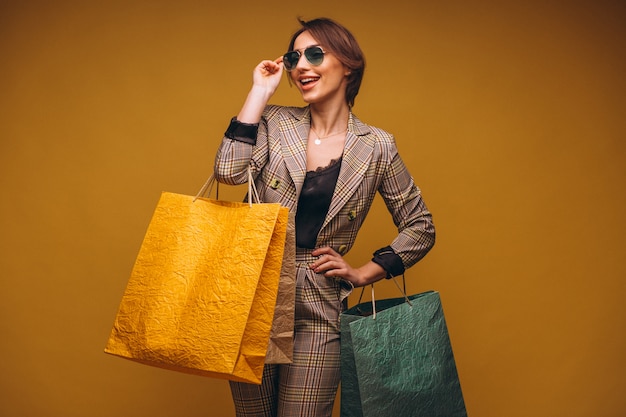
x,y
315,198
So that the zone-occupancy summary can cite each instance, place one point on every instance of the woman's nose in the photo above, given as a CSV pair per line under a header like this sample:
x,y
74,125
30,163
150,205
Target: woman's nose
x,y
302,62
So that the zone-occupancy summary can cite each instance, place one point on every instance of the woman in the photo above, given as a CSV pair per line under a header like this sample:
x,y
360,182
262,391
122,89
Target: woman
x,y
325,164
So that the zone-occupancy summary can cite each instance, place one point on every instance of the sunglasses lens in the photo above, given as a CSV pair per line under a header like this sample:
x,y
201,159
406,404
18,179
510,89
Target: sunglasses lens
x,y
290,60
314,54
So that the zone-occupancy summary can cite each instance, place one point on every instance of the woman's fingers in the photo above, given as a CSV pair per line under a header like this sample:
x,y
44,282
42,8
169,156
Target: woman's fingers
x,y
328,260
267,75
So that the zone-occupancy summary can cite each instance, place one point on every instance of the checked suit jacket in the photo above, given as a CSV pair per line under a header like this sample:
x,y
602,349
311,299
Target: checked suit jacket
x,y
370,164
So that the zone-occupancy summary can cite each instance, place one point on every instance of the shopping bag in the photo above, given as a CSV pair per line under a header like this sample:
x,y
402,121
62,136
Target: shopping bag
x,y
397,360
280,349
201,296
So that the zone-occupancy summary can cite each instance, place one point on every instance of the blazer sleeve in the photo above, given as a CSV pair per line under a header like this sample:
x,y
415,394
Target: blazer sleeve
x,y
234,157
416,231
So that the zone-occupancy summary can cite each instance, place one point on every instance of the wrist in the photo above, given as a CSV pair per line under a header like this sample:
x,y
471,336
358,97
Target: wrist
x,y
370,273
261,93
254,105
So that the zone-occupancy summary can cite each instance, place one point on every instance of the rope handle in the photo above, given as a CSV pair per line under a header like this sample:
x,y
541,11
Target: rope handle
x,y
402,290
208,186
253,194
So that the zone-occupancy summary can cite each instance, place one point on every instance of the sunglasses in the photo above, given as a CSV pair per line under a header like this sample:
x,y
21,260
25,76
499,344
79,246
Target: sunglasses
x,y
313,54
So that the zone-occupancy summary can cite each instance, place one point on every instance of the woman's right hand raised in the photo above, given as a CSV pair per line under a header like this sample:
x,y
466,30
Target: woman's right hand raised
x,y
265,80
267,75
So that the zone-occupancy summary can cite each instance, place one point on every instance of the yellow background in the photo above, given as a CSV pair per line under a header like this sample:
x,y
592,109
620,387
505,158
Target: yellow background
x,y
510,116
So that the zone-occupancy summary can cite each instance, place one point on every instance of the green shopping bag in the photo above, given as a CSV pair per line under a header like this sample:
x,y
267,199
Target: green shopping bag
x,y
397,360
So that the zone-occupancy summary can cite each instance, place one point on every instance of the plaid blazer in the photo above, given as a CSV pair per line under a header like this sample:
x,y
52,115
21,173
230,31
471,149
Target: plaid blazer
x,y
370,164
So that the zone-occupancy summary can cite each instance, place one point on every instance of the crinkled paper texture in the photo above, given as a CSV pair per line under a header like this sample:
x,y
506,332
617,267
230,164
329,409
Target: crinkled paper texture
x,y
280,349
202,292
399,363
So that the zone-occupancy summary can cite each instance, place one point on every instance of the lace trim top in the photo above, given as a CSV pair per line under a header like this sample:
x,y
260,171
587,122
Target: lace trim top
x,y
315,198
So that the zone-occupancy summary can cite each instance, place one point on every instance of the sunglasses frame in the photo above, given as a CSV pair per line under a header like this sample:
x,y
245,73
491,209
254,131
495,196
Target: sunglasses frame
x,y
290,67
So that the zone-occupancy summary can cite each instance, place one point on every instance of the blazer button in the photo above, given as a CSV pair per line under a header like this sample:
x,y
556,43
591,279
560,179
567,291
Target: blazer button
x,y
351,215
274,184
342,249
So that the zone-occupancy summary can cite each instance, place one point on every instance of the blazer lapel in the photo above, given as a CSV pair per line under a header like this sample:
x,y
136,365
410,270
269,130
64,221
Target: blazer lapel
x,y
357,155
356,158
294,127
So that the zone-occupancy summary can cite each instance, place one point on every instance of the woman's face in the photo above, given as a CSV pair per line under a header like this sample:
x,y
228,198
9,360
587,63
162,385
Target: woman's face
x,y
322,83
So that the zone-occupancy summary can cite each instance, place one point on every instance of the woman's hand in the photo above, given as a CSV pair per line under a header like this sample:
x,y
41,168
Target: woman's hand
x,y
332,265
267,75
265,80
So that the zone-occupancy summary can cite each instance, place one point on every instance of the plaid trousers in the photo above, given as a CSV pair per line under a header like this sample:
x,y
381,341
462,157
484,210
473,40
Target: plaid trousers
x,y
308,386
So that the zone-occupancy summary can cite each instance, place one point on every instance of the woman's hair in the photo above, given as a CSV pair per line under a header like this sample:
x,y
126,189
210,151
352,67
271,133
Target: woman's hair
x,y
340,42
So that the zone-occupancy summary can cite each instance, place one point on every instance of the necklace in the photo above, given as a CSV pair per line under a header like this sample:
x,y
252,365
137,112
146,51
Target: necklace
x,y
318,139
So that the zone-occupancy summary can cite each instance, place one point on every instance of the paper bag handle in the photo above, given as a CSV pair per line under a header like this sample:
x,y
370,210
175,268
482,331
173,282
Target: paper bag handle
x,y
402,290
208,186
253,194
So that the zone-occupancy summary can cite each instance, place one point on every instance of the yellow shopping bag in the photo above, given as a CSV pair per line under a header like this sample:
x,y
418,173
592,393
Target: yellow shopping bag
x,y
202,293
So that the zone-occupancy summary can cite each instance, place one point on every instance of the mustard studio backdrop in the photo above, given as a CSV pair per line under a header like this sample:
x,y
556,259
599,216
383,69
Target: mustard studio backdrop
x,y
510,116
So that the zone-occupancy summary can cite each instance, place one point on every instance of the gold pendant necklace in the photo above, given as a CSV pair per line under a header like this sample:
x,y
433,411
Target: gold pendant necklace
x,y
318,139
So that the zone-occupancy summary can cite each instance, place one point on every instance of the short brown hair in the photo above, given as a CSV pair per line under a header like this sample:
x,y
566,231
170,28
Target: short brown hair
x,y
340,41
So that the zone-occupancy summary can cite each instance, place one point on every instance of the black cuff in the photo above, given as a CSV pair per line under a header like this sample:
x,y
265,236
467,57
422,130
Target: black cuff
x,y
242,132
389,261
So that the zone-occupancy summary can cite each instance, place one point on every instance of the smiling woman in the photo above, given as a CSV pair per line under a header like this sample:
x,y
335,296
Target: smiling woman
x,y
509,114
325,165
341,44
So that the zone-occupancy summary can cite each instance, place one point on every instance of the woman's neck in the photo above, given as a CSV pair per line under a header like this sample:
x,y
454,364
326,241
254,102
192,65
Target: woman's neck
x,y
328,119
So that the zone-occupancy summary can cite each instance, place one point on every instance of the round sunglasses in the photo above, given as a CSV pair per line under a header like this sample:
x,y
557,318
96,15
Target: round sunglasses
x,y
313,54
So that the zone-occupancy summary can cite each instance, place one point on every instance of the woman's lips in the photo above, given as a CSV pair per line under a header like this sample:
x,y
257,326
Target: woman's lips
x,y
308,82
